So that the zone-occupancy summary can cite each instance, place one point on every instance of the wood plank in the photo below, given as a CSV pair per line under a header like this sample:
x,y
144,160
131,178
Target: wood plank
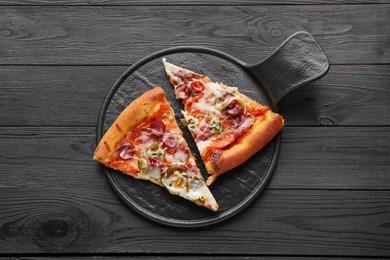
x,y
347,95
184,2
310,158
333,158
73,95
51,205
350,34
189,257
51,95
281,222
59,155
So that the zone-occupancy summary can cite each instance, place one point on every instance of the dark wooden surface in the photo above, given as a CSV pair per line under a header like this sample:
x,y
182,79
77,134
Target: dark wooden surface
x,y
328,198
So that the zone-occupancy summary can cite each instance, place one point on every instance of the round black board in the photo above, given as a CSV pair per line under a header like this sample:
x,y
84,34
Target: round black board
x,y
233,190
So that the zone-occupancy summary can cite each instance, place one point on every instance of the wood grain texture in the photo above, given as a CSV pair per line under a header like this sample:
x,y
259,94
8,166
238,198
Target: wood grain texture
x,y
54,199
329,197
310,158
298,222
349,34
73,95
333,158
47,95
59,155
186,256
184,2
347,95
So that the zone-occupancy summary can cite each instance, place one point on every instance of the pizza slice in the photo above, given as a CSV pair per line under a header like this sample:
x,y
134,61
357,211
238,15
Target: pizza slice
x,y
227,126
146,143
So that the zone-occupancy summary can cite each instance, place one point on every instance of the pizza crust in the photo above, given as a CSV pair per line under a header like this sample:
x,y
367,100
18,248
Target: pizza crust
x,y
134,114
259,135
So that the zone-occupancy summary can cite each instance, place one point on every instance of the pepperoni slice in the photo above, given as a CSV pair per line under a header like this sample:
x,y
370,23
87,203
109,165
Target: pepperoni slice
x,y
236,121
170,139
204,132
183,91
153,162
126,151
157,128
180,74
225,96
234,109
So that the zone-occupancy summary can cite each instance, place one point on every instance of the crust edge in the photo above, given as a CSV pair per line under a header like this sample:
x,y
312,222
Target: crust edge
x,y
134,114
258,136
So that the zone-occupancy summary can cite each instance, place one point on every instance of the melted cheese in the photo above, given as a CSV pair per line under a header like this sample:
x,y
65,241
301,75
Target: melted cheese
x,y
214,88
199,192
154,172
143,140
202,145
205,107
180,156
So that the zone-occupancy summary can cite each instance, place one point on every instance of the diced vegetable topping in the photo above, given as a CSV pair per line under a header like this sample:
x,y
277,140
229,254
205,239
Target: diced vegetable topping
x,y
176,176
155,150
171,170
142,165
216,126
197,86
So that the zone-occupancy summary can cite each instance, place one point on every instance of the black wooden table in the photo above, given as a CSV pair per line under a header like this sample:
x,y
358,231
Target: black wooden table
x,y
329,195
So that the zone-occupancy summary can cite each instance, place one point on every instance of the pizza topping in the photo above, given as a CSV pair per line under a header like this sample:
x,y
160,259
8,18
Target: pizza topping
x,y
197,86
202,105
153,162
181,154
225,96
261,111
154,172
180,74
157,127
195,182
192,169
216,126
142,138
176,178
126,151
170,139
236,121
153,168
246,124
202,145
176,168
234,109
190,121
142,165
183,91
205,131
155,150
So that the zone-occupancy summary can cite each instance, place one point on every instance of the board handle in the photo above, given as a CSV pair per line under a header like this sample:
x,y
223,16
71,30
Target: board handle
x,y
298,61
